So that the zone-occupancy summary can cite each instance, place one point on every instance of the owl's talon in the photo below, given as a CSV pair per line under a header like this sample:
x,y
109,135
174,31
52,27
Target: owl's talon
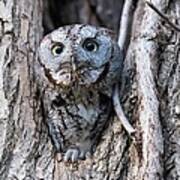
x,y
82,155
71,155
74,155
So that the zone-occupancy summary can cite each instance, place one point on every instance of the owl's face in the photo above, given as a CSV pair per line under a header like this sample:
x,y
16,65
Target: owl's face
x,y
79,54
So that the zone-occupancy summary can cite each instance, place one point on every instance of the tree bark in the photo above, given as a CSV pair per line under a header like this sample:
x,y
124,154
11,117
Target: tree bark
x,y
149,92
20,123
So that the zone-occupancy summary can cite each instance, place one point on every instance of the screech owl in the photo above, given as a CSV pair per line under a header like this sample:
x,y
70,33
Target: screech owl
x,y
81,65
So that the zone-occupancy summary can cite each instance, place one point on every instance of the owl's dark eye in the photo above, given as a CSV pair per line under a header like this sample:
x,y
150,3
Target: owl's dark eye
x,y
57,49
90,45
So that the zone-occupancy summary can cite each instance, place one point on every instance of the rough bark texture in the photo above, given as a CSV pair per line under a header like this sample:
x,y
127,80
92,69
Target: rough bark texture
x,y
20,123
149,93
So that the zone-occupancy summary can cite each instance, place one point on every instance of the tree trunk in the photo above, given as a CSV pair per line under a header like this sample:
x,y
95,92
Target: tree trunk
x,y
149,92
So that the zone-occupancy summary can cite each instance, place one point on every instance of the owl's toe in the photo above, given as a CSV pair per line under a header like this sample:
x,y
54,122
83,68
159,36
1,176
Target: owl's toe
x,y
71,155
82,155
85,155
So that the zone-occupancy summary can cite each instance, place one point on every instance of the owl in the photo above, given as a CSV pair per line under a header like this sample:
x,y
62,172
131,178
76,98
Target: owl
x,y
80,66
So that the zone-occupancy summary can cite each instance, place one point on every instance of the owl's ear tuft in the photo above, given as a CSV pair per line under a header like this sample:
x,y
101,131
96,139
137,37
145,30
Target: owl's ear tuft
x,y
108,32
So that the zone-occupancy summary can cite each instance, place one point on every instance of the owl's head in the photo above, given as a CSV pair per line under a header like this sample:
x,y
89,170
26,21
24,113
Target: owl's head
x,y
80,54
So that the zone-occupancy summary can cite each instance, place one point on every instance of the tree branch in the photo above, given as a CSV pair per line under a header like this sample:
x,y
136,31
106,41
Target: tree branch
x,y
122,40
163,16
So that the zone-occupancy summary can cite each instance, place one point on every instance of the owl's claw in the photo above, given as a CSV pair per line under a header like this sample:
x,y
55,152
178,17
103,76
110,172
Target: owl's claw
x,y
73,155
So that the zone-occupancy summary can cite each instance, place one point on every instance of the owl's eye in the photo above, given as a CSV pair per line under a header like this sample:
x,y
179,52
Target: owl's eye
x,y
57,49
90,45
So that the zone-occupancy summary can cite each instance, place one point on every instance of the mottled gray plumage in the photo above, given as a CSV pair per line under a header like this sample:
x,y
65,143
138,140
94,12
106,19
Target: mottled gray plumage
x,y
81,64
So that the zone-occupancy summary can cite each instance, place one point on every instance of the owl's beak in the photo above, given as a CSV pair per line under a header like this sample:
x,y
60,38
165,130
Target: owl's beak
x,y
74,64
